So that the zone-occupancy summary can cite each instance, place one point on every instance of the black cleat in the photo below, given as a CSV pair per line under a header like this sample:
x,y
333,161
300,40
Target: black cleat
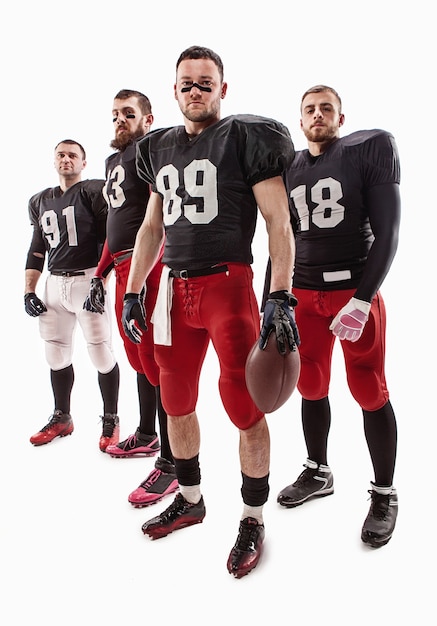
x,y
247,550
179,514
314,482
380,523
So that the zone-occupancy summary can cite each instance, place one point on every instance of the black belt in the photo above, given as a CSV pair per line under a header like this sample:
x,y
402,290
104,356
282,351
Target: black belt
x,y
217,269
122,257
66,274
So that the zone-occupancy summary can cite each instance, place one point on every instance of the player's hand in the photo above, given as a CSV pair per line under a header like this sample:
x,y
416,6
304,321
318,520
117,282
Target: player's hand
x,y
33,305
350,320
95,301
133,316
279,318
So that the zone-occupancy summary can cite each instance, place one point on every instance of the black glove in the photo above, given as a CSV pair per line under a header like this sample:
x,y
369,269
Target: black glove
x,y
134,311
279,317
33,305
95,301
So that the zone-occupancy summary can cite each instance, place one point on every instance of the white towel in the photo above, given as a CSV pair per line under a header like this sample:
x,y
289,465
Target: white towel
x,y
161,315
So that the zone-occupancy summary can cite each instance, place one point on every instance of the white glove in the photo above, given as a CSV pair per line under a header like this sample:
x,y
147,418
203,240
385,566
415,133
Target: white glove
x,y
350,321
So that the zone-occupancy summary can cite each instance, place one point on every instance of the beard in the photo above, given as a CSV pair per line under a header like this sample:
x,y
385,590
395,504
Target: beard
x,y
125,139
202,115
320,134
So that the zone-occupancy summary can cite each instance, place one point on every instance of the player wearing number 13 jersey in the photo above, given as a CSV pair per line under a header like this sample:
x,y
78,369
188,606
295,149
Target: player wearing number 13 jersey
x,y
69,225
127,196
209,177
345,211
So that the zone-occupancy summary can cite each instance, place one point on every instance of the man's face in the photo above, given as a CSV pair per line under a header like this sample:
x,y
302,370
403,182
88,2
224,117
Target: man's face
x,y
129,122
199,105
321,118
69,161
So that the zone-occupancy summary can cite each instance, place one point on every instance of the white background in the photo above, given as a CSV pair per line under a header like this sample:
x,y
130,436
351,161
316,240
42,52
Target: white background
x,y
71,546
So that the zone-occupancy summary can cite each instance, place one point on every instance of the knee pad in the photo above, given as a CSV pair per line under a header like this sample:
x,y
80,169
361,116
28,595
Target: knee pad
x,y
58,356
102,357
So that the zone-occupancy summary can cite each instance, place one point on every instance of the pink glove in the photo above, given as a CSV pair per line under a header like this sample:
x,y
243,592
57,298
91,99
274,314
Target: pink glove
x,y
350,321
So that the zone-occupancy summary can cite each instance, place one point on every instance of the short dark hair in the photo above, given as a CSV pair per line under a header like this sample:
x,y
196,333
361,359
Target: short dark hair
x,y
73,143
200,52
143,101
321,89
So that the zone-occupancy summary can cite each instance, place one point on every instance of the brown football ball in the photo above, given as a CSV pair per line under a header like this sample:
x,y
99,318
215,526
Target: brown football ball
x,y
271,377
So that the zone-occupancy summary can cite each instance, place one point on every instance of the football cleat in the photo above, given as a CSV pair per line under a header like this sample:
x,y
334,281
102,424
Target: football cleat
x,y
60,425
314,482
110,431
160,482
380,522
135,445
247,550
179,514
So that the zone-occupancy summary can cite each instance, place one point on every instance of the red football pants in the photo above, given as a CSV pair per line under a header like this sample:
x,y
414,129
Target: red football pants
x,y
364,359
221,308
141,356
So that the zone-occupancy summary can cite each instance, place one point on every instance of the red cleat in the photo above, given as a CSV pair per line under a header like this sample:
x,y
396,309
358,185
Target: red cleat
x,y
60,425
110,431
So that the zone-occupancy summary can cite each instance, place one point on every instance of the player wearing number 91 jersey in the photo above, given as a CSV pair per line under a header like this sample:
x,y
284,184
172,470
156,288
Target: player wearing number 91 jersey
x,y
69,225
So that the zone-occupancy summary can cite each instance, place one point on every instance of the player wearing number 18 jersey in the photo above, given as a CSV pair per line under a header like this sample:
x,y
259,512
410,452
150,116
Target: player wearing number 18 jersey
x,y
345,211
69,225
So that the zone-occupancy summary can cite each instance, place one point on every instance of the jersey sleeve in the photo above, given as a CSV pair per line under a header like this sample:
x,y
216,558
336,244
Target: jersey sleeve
x,y
37,249
106,264
267,148
94,192
381,160
144,167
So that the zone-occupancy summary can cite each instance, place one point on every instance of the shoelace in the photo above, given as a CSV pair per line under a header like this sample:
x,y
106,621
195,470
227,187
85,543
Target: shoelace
x,y
53,421
129,443
247,537
380,504
151,480
133,442
306,476
177,507
108,426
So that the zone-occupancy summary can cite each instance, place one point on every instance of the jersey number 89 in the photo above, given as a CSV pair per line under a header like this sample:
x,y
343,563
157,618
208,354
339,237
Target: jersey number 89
x,y
200,185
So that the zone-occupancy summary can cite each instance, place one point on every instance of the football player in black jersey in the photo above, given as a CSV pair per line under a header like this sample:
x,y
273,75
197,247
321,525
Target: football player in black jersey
x,y
127,197
69,224
208,179
345,207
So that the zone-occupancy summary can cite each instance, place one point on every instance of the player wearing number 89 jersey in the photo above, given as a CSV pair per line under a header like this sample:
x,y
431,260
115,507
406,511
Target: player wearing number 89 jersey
x,y
69,225
206,183
345,211
209,177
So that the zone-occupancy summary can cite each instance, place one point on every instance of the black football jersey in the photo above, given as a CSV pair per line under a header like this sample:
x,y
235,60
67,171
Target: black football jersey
x,y
70,226
206,184
127,196
327,197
